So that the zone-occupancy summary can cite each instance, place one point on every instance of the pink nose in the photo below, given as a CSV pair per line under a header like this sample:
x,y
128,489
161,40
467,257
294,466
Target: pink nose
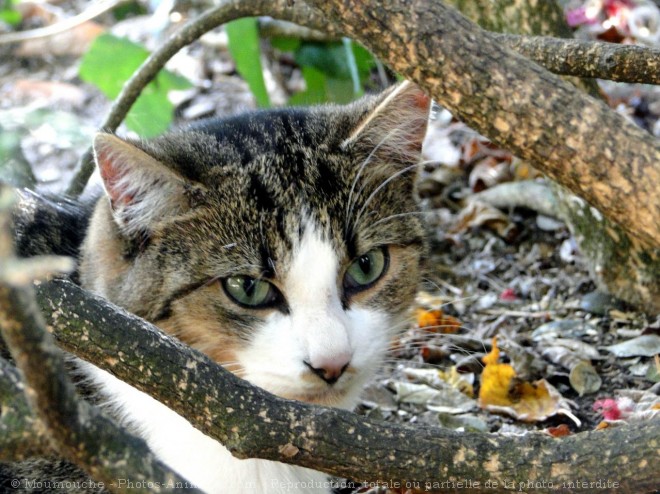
x,y
330,369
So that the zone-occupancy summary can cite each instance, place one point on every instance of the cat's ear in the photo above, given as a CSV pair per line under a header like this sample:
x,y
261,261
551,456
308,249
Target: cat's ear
x,y
141,189
394,125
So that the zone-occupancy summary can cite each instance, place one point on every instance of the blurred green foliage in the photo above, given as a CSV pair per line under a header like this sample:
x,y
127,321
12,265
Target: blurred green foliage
x,y
244,41
8,12
152,112
333,71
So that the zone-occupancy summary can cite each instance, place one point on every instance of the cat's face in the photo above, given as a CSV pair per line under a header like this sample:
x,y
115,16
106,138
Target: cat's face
x,y
283,244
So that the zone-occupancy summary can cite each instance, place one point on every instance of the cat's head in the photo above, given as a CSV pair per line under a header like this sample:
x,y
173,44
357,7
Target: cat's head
x,y
284,244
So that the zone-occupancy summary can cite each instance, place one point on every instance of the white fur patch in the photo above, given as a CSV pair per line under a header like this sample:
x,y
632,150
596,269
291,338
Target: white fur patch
x,y
317,330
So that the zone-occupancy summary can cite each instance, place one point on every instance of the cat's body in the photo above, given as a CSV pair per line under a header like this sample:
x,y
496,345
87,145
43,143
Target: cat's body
x,y
282,244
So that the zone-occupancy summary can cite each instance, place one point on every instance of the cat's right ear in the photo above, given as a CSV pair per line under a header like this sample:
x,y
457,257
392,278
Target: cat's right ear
x,y
141,189
393,125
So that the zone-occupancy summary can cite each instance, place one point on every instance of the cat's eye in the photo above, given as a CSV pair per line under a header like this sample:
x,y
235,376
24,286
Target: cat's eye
x,y
365,270
251,292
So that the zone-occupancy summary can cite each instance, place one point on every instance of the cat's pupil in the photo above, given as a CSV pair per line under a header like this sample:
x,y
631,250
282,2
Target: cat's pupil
x,y
365,264
248,286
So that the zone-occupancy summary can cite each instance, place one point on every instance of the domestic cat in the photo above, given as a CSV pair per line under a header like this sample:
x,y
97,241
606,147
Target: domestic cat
x,y
284,244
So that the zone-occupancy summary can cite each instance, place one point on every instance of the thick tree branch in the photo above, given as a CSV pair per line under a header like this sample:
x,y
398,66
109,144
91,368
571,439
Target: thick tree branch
x,y
77,430
253,423
573,138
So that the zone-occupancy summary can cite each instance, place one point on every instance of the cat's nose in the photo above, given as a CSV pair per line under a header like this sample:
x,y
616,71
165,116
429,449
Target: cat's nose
x,y
331,369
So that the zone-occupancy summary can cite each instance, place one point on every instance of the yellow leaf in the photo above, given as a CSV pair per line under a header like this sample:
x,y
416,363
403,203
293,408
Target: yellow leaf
x,y
501,391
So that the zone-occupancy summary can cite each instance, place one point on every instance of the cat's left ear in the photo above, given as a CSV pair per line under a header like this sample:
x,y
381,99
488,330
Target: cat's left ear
x,y
394,125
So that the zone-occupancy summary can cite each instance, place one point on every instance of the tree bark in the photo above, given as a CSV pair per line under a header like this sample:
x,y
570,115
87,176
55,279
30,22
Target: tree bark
x,y
337,441
617,262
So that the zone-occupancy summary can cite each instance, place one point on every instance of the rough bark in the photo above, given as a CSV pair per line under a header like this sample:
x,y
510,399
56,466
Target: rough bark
x,y
623,63
253,423
22,435
617,262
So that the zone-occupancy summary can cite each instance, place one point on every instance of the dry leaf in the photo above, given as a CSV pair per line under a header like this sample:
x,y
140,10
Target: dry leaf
x,y
477,214
562,430
436,321
502,392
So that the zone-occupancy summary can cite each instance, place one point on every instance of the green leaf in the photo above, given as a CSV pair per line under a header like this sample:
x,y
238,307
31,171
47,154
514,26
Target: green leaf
x,y
243,35
316,92
152,112
10,16
285,44
8,12
352,66
329,58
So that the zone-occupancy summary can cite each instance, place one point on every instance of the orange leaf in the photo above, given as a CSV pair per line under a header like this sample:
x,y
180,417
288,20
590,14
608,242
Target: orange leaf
x,y
435,321
560,431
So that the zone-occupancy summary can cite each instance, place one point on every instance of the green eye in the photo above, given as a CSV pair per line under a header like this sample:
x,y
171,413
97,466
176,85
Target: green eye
x,y
366,270
251,292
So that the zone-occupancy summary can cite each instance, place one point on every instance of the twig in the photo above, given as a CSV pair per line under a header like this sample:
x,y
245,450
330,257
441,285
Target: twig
x,y
531,194
76,429
226,11
94,11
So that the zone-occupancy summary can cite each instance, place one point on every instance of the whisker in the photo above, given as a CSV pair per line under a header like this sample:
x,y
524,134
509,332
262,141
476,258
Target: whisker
x,y
414,166
399,215
349,204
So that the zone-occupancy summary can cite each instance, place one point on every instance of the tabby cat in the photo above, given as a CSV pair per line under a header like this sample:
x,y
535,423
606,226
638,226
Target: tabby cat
x,y
283,244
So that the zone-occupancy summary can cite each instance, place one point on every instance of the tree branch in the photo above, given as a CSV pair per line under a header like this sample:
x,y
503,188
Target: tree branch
x,y
292,432
623,63
21,434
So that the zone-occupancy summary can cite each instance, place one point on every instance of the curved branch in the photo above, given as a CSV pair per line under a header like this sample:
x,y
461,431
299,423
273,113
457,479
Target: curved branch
x,y
623,63
226,11
331,440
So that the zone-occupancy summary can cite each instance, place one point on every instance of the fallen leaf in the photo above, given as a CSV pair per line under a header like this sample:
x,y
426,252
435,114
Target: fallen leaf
x,y
480,214
646,345
561,430
436,321
508,295
502,392
440,379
